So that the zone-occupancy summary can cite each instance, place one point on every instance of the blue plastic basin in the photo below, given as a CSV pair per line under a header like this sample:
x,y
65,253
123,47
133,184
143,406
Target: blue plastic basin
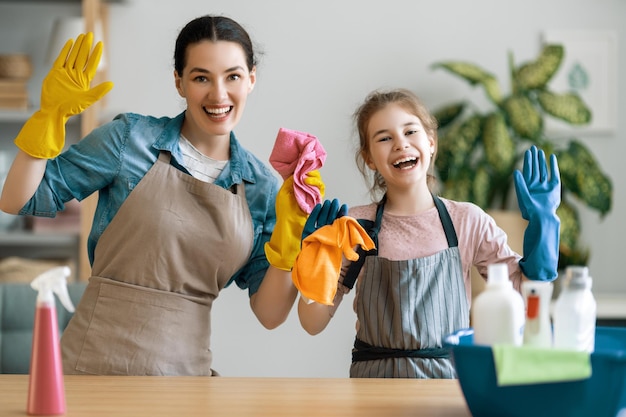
x,y
602,395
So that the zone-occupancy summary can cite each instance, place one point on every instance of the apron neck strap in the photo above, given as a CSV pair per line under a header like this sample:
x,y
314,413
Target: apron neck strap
x,y
446,221
373,228
165,156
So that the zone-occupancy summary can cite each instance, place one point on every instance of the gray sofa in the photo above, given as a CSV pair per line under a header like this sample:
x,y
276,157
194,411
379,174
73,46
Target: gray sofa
x,y
17,315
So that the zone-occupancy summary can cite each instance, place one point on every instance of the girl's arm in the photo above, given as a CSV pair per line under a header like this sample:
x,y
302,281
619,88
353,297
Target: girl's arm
x,y
314,317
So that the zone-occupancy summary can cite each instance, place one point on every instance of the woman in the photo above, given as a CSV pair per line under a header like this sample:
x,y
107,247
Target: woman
x,y
414,288
183,210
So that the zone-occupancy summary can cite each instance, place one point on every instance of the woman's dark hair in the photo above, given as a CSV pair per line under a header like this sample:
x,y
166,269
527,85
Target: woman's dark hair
x,y
212,28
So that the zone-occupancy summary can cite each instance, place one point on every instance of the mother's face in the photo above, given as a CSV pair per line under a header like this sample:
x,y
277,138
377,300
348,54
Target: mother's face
x,y
215,83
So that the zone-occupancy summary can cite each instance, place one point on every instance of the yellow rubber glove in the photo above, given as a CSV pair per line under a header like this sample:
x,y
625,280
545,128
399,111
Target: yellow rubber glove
x,y
65,92
284,245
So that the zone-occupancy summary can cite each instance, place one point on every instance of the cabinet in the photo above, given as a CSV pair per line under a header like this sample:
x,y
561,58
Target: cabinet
x,y
25,26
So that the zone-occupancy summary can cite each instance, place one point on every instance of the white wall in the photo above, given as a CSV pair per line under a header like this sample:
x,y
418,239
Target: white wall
x,y
320,59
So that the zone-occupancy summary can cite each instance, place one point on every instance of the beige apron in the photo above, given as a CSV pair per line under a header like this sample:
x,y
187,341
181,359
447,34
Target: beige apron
x,y
172,246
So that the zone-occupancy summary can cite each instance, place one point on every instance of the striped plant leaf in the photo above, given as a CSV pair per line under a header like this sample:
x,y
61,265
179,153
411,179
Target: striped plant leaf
x,y
525,119
499,146
492,88
570,227
470,72
568,107
454,147
481,187
459,189
448,113
536,74
581,174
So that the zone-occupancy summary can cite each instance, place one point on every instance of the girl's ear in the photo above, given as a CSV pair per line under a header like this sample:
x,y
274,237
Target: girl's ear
x,y
368,161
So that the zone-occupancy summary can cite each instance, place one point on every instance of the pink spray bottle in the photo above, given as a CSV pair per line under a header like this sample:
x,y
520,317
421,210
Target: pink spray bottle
x,y
46,389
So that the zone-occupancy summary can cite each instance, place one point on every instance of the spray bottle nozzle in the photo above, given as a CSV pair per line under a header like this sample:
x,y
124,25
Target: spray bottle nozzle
x,y
53,281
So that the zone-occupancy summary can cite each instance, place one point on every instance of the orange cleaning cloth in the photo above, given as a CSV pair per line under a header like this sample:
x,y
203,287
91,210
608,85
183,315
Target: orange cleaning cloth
x,y
316,270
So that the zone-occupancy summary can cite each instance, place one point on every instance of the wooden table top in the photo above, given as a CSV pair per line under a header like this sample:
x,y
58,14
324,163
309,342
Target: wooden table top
x,y
113,396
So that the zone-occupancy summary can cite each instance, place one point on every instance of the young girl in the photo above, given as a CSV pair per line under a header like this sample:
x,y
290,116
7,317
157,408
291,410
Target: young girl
x,y
415,288
183,210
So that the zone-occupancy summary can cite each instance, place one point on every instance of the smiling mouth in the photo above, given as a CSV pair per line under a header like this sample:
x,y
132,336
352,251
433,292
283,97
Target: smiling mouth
x,y
221,112
405,163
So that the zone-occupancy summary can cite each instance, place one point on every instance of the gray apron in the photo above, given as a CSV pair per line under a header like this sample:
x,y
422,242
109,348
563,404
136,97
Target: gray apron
x,y
172,246
405,308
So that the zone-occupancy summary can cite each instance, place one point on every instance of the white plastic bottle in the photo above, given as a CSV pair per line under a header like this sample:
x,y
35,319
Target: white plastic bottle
x,y
498,311
574,316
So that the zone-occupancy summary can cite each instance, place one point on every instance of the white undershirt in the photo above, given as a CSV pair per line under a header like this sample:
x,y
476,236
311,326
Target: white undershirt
x,y
199,165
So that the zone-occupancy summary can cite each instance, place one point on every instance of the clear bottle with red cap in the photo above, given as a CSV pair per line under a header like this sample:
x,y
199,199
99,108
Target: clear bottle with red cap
x,y
537,328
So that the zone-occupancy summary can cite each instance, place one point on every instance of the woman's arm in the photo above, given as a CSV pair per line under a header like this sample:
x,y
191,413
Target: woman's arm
x,y
65,92
22,181
274,299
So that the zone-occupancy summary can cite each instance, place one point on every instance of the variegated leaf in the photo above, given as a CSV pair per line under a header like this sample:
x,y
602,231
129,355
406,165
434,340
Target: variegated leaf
x,y
468,71
568,107
525,120
536,74
499,146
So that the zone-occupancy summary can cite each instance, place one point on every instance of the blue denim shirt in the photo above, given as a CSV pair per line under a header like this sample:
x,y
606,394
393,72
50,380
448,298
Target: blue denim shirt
x,y
113,158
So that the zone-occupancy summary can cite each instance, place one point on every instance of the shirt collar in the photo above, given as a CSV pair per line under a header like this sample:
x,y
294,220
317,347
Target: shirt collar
x,y
240,168
236,170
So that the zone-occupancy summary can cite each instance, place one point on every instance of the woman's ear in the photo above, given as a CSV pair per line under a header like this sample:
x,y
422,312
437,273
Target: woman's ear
x,y
252,79
179,84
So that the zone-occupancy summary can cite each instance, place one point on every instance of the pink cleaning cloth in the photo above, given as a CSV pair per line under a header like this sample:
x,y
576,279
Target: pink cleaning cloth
x,y
298,153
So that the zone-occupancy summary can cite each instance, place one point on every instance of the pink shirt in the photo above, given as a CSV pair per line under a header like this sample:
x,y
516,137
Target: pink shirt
x,y
481,241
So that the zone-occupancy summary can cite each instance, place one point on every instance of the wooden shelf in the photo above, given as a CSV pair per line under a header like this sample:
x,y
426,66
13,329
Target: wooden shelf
x,y
46,245
20,116
39,245
25,238
8,116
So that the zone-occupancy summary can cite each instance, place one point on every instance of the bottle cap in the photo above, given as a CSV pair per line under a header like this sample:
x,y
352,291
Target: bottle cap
x,y
53,281
498,275
577,277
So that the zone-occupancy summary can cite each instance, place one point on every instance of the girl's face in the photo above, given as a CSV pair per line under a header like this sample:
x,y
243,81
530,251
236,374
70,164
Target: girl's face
x,y
399,147
215,83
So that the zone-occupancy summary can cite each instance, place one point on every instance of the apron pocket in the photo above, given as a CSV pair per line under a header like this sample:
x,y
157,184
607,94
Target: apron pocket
x,y
145,332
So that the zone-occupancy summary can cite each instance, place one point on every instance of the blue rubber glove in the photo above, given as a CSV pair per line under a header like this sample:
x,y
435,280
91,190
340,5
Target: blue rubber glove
x,y
539,197
322,215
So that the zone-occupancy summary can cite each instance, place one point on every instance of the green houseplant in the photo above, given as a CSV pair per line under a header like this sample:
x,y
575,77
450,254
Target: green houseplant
x,y
479,150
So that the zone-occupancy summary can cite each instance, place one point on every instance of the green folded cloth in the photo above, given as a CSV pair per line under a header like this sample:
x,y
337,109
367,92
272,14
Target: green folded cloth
x,y
523,365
